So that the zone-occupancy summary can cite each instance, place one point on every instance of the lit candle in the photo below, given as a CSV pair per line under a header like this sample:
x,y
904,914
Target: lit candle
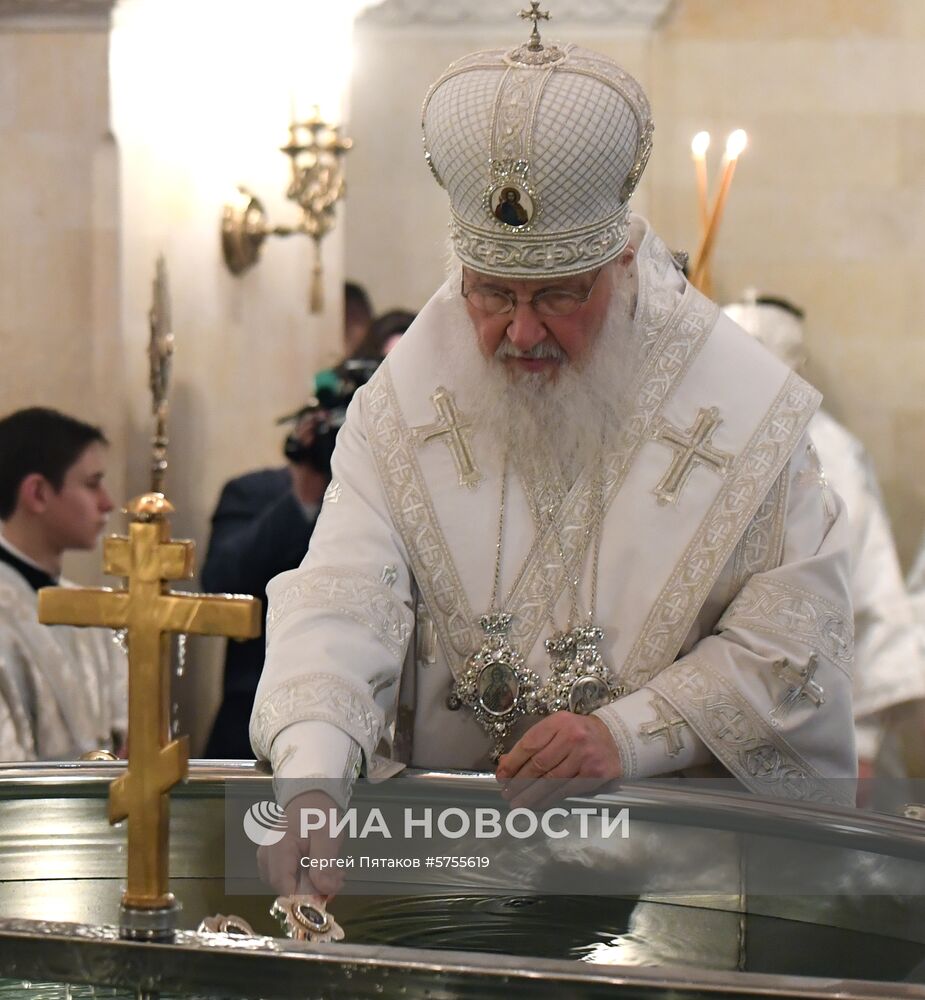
x,y
735,144
699,146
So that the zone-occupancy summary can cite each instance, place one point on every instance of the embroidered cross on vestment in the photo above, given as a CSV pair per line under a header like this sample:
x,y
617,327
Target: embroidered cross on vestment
x,y
801,685
691,447
455,433
665,728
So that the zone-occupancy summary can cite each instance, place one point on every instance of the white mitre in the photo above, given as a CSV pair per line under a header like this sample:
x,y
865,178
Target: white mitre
x,y
539,149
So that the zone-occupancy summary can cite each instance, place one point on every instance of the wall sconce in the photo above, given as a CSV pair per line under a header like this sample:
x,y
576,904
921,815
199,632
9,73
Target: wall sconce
x,y
316,150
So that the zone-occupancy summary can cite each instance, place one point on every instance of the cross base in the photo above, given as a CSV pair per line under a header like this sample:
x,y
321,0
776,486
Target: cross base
x,y
145,923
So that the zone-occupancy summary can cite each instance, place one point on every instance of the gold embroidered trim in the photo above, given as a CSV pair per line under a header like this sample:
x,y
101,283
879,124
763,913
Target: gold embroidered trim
x,y
286,789
543,486
659,291
750,479
317,697
352,767
413,512
663,727
762,545
622,736
544,576
512,115
683,334
740,737
780,609
551,256
813,474
690,447
353,595
456,435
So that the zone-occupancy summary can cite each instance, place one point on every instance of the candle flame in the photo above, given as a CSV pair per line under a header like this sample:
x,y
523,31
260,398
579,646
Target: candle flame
x,y
736,143
700,144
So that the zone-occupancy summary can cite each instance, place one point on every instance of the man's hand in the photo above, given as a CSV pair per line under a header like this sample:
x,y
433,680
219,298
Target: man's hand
x,y
563,754
280,865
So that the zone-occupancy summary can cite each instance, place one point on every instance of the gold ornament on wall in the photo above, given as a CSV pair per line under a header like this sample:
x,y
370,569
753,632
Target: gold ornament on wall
x,y
316,150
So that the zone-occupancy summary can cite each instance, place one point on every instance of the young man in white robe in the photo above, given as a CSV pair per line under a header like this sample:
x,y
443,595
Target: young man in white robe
x,y
63,690
575,530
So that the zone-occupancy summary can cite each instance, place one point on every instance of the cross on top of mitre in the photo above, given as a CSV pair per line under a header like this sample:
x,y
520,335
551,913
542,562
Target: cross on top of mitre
x,y
534,54
535,15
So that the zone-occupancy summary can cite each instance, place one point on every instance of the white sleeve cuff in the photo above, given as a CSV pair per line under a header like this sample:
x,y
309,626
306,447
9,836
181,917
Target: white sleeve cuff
x,y
314,755
868,735
646,754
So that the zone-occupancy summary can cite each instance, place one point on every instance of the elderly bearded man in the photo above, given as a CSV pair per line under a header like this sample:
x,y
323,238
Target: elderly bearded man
x,y
573,485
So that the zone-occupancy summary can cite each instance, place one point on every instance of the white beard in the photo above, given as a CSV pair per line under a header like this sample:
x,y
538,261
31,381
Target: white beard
x,y
572,419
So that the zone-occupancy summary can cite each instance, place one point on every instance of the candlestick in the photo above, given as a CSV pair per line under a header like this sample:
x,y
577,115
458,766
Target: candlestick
x,y
699,146
735,144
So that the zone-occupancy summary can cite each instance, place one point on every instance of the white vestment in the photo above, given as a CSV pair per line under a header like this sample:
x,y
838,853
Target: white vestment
x,y
916,585
710,603
889,654
63,690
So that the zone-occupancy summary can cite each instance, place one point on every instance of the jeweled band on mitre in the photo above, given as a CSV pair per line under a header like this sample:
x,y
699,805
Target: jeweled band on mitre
x,y
532,255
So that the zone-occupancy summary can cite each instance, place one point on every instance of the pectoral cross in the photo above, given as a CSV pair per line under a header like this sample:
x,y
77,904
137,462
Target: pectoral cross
x,y
665,728
456,435
801,684
149,611
535,15
692,447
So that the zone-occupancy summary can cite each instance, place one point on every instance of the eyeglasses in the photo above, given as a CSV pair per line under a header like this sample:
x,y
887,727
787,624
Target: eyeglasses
x,y
549,302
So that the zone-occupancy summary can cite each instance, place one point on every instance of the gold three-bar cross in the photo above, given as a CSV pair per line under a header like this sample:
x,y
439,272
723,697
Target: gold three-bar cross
x,y
149,611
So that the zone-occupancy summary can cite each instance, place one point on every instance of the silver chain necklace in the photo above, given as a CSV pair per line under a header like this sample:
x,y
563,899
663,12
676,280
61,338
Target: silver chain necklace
x,y
497,685
579,679
500,688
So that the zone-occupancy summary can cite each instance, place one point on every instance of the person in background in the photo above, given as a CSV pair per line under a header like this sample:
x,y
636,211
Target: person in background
x,y
261,526
889,669
63,690
358,315
384,333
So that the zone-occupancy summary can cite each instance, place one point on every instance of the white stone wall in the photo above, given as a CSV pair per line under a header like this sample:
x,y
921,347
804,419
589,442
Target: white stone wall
x,y
828,203
59,275
114,149
198,108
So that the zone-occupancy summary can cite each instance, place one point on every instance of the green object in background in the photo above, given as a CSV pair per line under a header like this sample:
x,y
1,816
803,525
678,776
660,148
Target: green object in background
x,y
327,380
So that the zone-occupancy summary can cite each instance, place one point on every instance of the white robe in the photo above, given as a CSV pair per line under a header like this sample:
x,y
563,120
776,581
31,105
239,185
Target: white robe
x,y
889,652
916,584
699,598
63,690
